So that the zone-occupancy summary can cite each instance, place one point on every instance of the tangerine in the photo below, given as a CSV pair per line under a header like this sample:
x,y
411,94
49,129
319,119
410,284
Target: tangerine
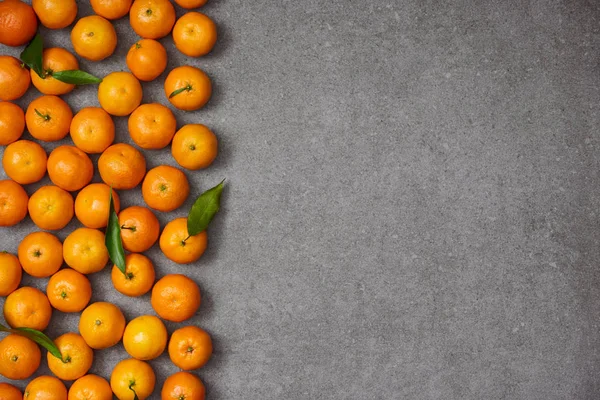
x,y
45,388
13,203
19,357
183,386
194,34
165,188
90,387
14,77
131,379
27,307
194,146
138,278
94,38
122,166
152,19
70,168
12,123
190,347
102,325
120,93
48,118
178,245
92,205
111,9
55,14
10,273
152,126
92,130
188,88
18,23
77,357
84,250
175,297
24,161
69,290
147,59
9,392
51,208
40,254
145,337
189,4
55,59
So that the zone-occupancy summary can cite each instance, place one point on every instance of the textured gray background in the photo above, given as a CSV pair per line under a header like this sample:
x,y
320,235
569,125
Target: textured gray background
x,y
412,204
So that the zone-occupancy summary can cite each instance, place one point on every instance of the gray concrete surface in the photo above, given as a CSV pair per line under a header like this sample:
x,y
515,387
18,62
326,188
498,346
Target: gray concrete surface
x,y
411,208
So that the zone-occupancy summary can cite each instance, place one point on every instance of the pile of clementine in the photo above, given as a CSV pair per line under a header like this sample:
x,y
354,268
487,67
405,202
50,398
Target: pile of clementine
x,y
70,191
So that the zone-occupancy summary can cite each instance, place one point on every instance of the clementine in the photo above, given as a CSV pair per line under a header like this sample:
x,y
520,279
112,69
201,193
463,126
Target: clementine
x,y
90,387
122,166
177,244
70,168
18,23
10,273
84,250
48,118
120,93
77,357
9,392
19,357
152,126
190,347
152,19
111,9
55,14
131,379
189,4
183,386
69,290
188,88
175,297
54,59
51,208
92,130
13,203
27,307
165,188
102,325
92,205
139,228
145,337
40,254
45,388
147,59
94,38
24,161
14,76
195,34
12,122
138,278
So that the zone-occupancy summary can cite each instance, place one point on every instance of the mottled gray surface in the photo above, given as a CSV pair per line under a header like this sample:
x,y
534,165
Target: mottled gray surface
x,y
412,203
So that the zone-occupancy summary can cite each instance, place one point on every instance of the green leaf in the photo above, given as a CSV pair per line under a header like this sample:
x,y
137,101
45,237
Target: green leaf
x,y
37,336
76,77
113,238
135,396
32,55
204,209
183,89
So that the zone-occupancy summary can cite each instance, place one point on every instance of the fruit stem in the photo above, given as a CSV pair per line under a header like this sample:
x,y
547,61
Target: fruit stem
x,y
46,117
131,228
186,88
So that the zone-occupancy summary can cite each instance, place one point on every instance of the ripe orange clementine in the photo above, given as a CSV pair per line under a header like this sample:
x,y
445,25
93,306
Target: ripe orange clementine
x,y
94,38
190,348
10,273
175,297
132,375
55,14
189,4
92,206
194,146
77,357
122,166
183,385
27,307
102,325
188,88
12,122
18,23
45,388
51,208
152,19
138,278
13,203
69,291
152,126
70,168
179,246
147,59
120,93
19,357
165,188
54,59
48,118
40,254
145,337
92,130
24,161
9,392
111,9
195,34
84,250
14,77
139,228
90,387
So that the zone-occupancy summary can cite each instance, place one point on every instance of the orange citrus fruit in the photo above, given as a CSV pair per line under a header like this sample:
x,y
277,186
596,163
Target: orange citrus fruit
x,y
122,166
183,385
94,38
175,297
45,388
70,168
147,59
69,290
9,392
111,9
145,337
190,348
51,208
152,126
84,250
54,59
120,93
90,387
77,357
19,357
14,76
165,188
10,273
139,228
27,307
92,130
18,23
194,34
189,4
24,161
102,325
138,278
13,203
130,376
55,14
178,245
48,118
188,88
92,205
194,146
40,254
152,19
12,122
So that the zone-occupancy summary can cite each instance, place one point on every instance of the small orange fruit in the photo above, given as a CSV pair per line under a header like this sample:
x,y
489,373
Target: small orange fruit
x,y
55,14
77,357
188,88
132,378
175,297
48,118
147,59
40,254
94,38
90,387
190,348
138,278
139,228
152,19
70,168
27,307
122,166
10,273
84,250
69,291
51,208
54,59
19,357
45,388
165,188
194,146
92,205
9,392
12,122
18,23
13,203
189,4
120,93
183,385
152,126
178,245
111,9
14,77
195,34
24,161
92,130
102,325
145,337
